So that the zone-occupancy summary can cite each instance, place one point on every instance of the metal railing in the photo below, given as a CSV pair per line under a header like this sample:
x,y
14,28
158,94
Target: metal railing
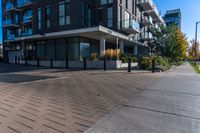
x,y
23,2
130,23
9,22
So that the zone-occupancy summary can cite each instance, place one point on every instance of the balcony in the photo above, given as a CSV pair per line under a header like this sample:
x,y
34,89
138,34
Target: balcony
x,y
27,33
27,18
154,28
154,13
130,26
10,23
22,3
10,37
145,4
10,7
147,36
147,21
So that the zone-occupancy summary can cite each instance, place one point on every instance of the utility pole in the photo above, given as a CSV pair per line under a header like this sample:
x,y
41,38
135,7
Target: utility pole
x,y
196,42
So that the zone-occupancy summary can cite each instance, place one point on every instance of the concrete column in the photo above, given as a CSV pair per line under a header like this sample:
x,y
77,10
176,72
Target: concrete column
x,y
117,43
135,50
102,45
121,46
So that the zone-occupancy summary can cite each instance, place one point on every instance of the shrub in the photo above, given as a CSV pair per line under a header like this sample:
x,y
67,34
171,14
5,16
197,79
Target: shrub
x,y
94,56
112,54
124,58
161,63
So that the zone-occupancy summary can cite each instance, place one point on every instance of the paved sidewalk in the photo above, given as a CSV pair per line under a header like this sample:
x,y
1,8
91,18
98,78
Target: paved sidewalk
x,y
171,105
36,100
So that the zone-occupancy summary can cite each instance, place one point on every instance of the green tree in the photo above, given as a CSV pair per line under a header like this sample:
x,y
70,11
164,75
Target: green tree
x,y
171,42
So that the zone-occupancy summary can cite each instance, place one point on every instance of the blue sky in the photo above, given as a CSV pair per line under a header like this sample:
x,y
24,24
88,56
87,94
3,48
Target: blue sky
x,y
190,14
0,23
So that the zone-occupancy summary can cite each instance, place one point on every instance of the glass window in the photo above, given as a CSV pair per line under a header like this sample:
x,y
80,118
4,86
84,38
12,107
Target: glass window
x,y
89,17
47,16
50,49
95,47
127,19
74,50
100,15
84,49
64,11
39,14
83,14
102,2
61,49
110,1
40,51
110,17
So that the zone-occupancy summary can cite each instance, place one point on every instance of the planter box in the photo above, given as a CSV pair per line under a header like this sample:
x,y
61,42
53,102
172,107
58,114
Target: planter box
x,y
80,64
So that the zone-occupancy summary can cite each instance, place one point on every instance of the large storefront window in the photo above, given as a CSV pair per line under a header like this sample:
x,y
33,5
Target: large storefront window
x,y
41,50
50,49
73,49
84,49
61,49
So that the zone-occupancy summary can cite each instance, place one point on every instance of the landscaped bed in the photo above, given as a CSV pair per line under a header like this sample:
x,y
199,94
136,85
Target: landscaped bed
x,y
196,67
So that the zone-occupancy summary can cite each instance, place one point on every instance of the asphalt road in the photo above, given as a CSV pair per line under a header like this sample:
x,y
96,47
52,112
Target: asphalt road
x,y
170,105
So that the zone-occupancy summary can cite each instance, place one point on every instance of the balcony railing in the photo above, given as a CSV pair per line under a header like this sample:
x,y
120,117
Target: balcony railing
x,y
147,36
10,22
10,7
22,3
130,26
28,33
10,37
27,17
146,4
147,21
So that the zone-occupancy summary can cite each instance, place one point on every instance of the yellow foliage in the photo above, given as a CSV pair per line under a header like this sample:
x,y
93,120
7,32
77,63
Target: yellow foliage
x,y
112,53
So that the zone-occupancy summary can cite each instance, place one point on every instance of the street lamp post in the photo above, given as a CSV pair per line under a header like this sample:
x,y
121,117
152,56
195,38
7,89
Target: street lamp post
x,y
196,42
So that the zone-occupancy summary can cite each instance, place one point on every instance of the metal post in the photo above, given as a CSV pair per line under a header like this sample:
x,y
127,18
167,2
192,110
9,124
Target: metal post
x,y
18,60
38,62
84,63
51,63
129,65
196,42
67,63
26,61
15,59
105,63
153,65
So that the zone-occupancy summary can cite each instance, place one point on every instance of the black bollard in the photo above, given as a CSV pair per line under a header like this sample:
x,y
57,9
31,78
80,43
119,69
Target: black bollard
x,y
67,63
18,60
51,63
129,65
84,63
153,65
105,64
15,59
26,61
38,62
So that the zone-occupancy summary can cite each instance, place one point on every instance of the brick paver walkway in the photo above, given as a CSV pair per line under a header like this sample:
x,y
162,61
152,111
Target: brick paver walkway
x,y
56,101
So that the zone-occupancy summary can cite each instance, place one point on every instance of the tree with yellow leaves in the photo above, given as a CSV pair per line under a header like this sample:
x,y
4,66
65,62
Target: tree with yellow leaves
x,y
191,50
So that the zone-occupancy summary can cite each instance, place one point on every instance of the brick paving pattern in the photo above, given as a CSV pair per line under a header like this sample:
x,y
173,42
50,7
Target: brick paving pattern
x,y
65,102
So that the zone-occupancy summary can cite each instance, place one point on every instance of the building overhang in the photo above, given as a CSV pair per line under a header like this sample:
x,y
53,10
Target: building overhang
x,y
93,33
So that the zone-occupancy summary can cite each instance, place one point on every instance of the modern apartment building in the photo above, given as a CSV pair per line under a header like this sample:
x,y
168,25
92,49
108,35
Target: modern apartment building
x,y
173,17
1,51
75,29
